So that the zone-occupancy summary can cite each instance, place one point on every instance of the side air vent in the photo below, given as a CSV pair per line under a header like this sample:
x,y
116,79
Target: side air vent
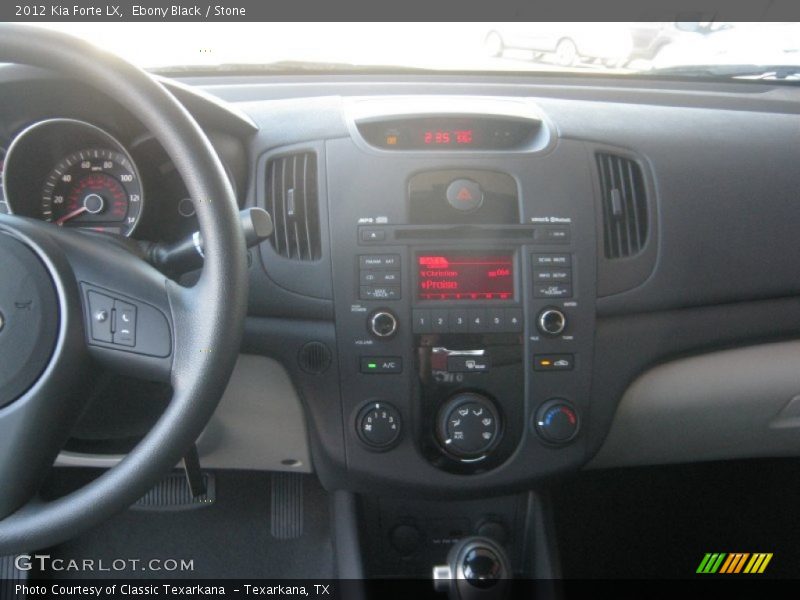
x,y
625,218
293,200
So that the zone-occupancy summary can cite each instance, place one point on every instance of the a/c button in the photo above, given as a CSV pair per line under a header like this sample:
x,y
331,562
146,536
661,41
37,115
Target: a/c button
x,y
381,364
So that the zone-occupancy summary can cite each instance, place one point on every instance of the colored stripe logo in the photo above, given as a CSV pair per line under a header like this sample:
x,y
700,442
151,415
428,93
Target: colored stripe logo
x,y
734,563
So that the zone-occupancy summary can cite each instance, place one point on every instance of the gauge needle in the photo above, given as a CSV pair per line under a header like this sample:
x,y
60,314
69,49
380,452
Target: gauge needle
x,y
71,215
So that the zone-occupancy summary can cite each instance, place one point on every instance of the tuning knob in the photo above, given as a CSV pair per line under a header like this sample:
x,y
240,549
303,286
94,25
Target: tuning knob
x,y
551,321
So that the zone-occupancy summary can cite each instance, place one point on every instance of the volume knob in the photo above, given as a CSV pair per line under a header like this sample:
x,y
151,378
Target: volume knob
x,y
382,323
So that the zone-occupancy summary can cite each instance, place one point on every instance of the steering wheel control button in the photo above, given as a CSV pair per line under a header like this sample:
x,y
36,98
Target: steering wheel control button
x,y
378,425
556,422
30,317
382,323
464,195
468,426
101,308
381,364
125,325
553,362
551,321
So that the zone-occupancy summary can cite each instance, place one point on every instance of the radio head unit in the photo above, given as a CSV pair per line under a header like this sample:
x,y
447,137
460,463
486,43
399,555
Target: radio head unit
x,y
465,275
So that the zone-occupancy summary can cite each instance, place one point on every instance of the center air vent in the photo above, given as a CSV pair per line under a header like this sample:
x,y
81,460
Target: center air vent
x,y
625,218
293,200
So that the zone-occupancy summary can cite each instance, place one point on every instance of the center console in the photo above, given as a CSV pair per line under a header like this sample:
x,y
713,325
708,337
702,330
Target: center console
x,y
464,289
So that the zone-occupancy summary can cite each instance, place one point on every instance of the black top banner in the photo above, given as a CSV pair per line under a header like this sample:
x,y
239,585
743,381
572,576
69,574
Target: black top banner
x,y
393,10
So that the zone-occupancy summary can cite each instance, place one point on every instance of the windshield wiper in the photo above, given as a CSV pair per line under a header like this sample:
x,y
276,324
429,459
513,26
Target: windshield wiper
x,y
770,72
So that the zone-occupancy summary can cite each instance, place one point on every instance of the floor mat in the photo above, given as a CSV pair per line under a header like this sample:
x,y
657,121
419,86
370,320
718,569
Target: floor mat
x,y
659,522
230,539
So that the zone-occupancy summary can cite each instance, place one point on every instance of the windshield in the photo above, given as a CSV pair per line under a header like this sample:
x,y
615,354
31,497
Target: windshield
x,y
634,47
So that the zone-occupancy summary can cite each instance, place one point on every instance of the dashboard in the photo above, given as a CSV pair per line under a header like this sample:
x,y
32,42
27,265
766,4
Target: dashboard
x,y
475,283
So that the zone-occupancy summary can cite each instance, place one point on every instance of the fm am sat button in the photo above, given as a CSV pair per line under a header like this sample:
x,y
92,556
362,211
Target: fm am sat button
x,y
464,195
381,364
553,362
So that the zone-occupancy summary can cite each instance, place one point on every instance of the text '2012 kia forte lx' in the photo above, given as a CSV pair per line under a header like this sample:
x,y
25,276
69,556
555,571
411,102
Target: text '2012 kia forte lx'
x,y
461,317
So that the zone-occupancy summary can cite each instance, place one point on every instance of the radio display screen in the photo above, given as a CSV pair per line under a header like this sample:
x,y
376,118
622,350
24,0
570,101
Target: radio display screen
x,y
465,276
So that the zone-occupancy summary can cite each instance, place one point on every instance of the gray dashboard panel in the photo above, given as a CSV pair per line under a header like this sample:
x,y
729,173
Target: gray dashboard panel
x,y
737,403
258,425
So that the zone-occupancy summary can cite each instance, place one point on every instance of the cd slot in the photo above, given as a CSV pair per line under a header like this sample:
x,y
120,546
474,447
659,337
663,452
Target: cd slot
x,y
522,233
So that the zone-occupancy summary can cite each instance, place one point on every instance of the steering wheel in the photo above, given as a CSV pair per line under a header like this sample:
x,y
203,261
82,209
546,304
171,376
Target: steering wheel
x,y
52,281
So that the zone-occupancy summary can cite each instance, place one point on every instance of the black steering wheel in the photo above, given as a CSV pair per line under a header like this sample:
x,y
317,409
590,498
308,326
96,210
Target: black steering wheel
x,y
52,277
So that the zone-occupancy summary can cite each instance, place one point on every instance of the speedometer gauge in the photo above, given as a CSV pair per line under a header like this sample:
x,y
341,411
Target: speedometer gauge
x,y
93,188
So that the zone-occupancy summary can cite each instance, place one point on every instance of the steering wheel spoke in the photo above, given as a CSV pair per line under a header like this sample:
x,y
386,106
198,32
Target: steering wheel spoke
x,y
85,299
126,305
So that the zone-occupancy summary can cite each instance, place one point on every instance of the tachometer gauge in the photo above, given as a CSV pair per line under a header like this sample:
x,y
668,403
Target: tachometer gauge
x,y
93,188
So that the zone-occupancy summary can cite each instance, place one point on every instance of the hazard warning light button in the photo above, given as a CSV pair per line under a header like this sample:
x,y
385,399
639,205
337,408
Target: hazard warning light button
x,y
464,194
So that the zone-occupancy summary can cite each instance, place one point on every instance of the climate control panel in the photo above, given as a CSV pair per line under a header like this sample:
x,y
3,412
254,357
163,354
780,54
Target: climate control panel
x,y
464,328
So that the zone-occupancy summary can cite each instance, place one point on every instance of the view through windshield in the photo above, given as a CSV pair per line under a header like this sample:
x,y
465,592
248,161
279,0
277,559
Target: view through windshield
x,y
606,47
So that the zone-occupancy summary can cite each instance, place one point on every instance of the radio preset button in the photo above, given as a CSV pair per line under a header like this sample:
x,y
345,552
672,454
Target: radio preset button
x,y
458,321
477,320
421,321
514,319
496,319
439,321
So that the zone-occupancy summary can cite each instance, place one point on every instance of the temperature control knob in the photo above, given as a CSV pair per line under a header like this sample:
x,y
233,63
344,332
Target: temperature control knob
x,y
557,421
551,321
378,425
468,426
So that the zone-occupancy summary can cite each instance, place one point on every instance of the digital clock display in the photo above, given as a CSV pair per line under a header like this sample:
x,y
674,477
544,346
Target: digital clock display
x,y
444,137
466,132
465,276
